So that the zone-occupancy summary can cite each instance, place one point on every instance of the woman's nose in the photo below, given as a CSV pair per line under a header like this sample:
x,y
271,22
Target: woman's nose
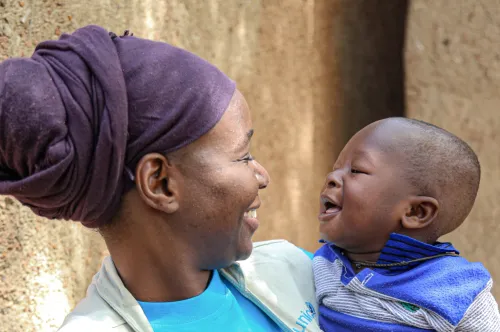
x,y
261,175
334,179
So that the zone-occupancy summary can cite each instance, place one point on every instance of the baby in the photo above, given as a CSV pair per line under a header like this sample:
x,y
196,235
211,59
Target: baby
x,y
397,186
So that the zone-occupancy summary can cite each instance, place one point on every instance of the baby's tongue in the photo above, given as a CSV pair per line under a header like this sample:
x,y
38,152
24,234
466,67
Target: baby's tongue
x,y
333,209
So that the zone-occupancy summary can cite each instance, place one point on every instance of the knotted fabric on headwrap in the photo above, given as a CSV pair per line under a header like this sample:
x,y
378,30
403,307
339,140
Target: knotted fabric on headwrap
x,y
85,108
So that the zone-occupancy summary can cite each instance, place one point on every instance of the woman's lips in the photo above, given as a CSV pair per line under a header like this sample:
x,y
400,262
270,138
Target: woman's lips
x,y
251,213
251,220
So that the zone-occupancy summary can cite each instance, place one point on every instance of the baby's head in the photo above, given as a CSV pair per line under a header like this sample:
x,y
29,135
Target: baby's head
x,y
401,176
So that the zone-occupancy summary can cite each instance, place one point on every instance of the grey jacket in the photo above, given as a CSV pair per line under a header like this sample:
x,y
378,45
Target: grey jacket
x,y
277,277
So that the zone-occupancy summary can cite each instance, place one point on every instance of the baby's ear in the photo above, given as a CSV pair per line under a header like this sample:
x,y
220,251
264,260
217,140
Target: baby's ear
x,y
421,212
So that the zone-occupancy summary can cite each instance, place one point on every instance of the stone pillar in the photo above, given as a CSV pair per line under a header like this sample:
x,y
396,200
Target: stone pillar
x,y
453,80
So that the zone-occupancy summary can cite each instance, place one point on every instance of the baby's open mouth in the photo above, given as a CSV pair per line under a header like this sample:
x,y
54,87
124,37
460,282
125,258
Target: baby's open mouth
x,y
332,207
329,205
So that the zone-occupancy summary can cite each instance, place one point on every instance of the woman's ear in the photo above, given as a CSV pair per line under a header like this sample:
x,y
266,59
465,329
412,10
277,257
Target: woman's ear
x,y
157,182
420,212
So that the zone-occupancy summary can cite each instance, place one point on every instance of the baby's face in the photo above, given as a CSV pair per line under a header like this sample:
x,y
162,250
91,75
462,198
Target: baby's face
x,y
362,201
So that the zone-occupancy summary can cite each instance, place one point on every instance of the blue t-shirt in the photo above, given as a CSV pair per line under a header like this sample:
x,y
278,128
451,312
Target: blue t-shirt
x,y
219,308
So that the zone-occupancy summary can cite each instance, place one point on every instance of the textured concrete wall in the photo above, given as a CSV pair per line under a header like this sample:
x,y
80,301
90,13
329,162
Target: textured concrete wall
x,y
313,71
453,80
319,71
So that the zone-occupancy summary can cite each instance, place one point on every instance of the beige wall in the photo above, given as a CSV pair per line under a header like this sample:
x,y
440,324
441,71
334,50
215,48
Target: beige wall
x,y
281,57
453,80
313,71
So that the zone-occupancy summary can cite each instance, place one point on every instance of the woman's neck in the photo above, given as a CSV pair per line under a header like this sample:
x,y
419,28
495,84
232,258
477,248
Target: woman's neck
x,y
157,273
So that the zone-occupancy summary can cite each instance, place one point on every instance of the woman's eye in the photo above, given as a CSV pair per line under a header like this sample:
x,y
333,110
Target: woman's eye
x,y
247,159
355,171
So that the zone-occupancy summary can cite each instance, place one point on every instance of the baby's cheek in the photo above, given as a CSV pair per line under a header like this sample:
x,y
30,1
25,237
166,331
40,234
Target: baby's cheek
x,y
357,200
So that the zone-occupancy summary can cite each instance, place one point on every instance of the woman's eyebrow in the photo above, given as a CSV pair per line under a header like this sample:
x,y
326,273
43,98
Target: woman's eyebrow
x,y
244,143
248,137
249,134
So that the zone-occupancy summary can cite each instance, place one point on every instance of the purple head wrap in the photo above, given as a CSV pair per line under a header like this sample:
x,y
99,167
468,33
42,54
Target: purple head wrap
x,y
85,108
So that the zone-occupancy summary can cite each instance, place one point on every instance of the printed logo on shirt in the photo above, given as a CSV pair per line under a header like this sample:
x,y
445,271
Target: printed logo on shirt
x,y
306,316
410,307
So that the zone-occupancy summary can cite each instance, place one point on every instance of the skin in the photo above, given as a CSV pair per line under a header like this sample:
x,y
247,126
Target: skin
x,y
187,213
372,197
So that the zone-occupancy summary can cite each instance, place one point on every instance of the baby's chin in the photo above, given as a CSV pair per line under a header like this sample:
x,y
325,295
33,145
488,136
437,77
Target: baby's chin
x,y
339,242
328,238
331,233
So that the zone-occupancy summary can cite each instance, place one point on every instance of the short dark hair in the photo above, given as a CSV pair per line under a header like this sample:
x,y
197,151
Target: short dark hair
x,y
443,166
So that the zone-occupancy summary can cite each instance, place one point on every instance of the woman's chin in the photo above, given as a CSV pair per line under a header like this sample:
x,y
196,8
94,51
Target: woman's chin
x,y
244,249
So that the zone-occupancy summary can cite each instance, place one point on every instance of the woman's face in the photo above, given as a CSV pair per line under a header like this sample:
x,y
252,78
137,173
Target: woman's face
x,y
220,189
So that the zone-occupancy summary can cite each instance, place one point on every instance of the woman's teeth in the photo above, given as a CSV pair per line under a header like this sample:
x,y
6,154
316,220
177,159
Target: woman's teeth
x,y
251,214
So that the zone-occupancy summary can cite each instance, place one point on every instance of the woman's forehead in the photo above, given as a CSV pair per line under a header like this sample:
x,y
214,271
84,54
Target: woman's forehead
x,y
233,131
236,123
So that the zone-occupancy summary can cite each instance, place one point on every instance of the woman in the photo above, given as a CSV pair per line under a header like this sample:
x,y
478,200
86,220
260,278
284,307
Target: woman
x,y
150,144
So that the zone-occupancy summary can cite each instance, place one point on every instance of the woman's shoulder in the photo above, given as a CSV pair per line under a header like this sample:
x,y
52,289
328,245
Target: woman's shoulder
x,y
279,275
84,324
278,255
277,260
93,313
280,247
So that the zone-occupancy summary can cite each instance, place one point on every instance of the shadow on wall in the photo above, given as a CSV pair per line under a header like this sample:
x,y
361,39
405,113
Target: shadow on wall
x,y
324,70
369,39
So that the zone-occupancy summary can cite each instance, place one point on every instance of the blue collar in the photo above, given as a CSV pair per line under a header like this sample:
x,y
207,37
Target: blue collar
x,y
206,304
400,248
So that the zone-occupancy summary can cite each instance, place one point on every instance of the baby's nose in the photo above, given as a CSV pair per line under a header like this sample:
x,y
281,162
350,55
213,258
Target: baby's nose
x,y
334,180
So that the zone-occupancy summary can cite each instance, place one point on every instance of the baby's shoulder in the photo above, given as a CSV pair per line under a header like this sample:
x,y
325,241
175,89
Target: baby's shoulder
x,y
326,252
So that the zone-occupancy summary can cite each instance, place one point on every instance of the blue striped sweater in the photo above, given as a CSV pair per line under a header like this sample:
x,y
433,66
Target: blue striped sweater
x,y
447,293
